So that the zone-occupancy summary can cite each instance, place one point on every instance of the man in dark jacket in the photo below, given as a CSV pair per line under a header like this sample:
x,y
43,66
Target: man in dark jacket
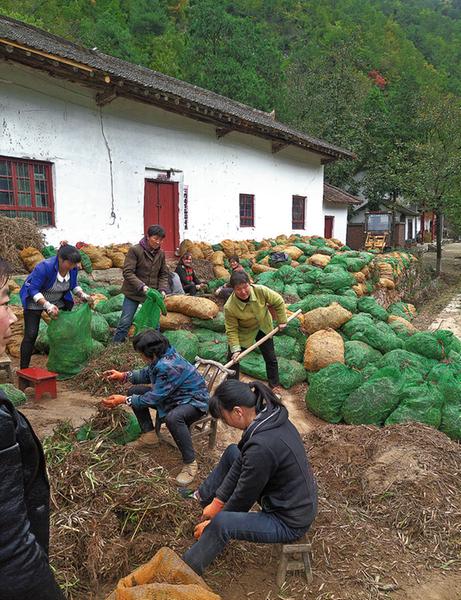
x,y
25,573
144,268
269,466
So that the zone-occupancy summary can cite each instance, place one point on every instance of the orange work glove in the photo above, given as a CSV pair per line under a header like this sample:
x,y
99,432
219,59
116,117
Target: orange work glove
x,y
211,510
199,529
114,400
114,375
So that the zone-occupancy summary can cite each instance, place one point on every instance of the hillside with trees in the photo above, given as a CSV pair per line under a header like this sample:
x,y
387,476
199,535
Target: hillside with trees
x,y
380,77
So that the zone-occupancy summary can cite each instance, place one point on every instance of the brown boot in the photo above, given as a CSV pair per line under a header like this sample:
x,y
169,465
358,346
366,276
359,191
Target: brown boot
x,y
145,441
187,474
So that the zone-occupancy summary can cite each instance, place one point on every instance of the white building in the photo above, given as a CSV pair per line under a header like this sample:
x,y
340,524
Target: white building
x,y
96,149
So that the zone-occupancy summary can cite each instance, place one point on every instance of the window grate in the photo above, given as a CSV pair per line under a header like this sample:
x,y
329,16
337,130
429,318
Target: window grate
x,y
247,212
298,212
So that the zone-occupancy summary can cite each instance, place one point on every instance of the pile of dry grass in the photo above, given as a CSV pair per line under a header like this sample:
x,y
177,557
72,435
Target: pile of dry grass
x,y
15,235
389,507
112,508
120,357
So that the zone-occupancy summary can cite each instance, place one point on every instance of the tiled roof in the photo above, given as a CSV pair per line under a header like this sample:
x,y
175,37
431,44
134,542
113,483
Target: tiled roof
x,y
338,196
40,49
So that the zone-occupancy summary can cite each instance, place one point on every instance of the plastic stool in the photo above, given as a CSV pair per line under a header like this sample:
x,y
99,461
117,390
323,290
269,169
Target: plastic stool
x,y
300,552
5,365
43,381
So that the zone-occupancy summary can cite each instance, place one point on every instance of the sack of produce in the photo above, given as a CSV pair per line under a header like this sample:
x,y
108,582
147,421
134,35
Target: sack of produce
x,y
330,317
323,348
192,306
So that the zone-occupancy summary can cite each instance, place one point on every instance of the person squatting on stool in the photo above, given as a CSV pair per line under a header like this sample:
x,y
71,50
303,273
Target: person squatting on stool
x,y
269,466
176,390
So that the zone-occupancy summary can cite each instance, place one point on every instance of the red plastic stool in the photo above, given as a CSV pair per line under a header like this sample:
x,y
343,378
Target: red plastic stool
x,y
43,381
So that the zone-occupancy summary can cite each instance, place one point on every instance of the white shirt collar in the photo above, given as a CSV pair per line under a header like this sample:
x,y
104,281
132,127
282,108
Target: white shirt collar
x,y
61,279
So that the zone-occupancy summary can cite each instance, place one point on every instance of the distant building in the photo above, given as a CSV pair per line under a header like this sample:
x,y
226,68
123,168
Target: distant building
x,y
95,149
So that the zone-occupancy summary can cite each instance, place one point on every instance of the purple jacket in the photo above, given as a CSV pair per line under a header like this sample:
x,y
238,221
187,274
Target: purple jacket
x,y
43,277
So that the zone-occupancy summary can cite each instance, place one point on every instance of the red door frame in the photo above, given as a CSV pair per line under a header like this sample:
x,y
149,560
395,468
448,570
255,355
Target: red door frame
x,y
169,252
330,220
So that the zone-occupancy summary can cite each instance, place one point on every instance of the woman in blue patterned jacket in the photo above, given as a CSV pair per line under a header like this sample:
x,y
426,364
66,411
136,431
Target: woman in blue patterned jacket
x,y
176,391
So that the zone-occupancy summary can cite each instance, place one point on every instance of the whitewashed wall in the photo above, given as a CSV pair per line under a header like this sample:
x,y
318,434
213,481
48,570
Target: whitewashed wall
x,y
340,222
53,120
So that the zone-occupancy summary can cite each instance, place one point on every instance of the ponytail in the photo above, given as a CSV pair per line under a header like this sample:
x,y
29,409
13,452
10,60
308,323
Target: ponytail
x,y
233,393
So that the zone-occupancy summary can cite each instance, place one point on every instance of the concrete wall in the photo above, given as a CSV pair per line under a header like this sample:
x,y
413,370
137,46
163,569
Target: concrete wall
x,y
44,118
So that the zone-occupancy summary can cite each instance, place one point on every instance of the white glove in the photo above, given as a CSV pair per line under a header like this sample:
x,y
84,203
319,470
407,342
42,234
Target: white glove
x,y
51,309
145,289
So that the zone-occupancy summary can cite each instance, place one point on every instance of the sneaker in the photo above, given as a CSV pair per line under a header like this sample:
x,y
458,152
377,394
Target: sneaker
x,y
187,474
145,441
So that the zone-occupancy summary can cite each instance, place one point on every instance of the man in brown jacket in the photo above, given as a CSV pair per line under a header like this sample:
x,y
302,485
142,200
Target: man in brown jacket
x,y
144,268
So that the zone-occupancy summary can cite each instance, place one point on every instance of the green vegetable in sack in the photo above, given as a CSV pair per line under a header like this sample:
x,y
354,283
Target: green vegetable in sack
x,y
99,328
185,342
358,355
15,396
216,324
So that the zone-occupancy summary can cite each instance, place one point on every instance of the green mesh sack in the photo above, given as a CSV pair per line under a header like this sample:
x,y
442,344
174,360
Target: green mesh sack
x,y
358,355
304,289
400,309
49,251
350,263
113,318
266,278
357,324
288,347
15,396
185,342
15,299
448,340
375,400
253,364
307,249
302,258
291,372
148,316
451,417
86,261
318,242
293,330
287,274
116,302
313,301
217,247
216,324
328,390
214,349
207,335
313,276
421,403
214,284
369,371
402,359
112,290
384,342
400,330
42,343
336,280
277,286
425,344
99,328
292,291
96,348
369,305
71,343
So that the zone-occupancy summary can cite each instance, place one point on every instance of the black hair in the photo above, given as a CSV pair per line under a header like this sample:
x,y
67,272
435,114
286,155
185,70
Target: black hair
x,y
185,255
233,392
70,253
237,278
151,343
156,230
235,258
5,272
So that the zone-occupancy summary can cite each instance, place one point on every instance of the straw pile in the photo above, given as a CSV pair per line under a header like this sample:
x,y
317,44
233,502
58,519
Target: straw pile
x,y
389,507
15,235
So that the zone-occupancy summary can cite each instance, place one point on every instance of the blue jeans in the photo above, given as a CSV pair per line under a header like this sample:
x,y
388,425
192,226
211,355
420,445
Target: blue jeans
x,y
129,308
259,527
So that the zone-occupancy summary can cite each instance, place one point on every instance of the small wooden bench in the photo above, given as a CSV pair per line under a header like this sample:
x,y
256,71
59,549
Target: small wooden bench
x,y
294,557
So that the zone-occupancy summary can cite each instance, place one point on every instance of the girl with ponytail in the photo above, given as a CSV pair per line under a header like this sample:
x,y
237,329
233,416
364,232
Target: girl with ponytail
x,y
269,467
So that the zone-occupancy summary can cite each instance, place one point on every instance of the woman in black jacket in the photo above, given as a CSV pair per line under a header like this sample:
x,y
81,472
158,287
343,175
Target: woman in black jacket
x,y
189,280
269,466
25,573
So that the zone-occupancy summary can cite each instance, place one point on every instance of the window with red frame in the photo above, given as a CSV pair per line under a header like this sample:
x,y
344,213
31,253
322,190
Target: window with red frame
x,y
26,190
298,212
247,210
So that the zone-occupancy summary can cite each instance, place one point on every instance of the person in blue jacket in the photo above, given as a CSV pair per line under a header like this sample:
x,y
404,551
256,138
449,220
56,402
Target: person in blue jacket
x,y
49,287
269,466
176,391
25,572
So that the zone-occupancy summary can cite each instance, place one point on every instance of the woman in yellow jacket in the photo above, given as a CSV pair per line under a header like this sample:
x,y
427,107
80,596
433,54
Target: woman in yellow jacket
x,y
248,317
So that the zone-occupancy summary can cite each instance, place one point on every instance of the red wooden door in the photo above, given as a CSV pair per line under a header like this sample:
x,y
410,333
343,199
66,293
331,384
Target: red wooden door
x,y
161,208
328,233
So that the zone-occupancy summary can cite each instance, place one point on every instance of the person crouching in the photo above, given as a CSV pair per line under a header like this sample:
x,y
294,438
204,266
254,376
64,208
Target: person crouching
x,y
176,391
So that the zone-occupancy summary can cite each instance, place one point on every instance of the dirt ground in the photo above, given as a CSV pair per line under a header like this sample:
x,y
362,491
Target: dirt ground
x,y
256,581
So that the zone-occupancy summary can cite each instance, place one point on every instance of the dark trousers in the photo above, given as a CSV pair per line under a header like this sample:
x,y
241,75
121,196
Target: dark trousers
x,y
249,526
178,420
268,352
31,326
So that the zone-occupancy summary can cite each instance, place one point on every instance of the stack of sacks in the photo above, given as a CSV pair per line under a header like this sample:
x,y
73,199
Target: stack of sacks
x,y
30,257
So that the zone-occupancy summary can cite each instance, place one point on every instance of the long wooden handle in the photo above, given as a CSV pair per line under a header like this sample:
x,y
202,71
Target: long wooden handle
x,y
261,341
